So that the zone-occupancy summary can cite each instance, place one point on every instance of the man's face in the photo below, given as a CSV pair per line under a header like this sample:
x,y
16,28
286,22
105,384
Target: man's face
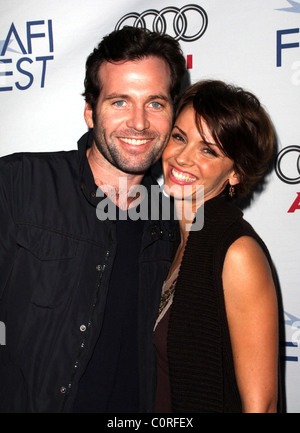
x,y
133,115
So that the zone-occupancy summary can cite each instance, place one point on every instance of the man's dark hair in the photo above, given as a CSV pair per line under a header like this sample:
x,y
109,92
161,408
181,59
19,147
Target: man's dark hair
x,y
130,43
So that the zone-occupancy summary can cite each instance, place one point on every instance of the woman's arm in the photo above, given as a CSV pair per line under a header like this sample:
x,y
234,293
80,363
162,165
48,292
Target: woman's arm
x,y
251,307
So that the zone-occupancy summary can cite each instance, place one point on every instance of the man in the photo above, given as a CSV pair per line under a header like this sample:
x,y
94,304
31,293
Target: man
x,y
79,292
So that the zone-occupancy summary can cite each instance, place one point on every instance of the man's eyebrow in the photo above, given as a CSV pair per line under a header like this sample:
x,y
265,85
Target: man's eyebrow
x,y
116,96
159,96
125,96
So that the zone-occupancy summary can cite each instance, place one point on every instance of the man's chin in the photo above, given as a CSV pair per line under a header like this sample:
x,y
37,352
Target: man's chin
x,y
137,168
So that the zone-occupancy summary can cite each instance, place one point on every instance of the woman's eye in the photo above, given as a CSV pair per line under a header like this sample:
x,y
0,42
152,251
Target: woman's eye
x,y
209,151
177,137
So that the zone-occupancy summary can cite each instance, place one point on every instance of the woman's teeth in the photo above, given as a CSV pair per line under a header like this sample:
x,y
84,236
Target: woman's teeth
x,y
184,177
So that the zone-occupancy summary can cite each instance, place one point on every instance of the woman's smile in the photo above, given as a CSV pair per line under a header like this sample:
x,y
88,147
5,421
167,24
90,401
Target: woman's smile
x,y
194,159
180,176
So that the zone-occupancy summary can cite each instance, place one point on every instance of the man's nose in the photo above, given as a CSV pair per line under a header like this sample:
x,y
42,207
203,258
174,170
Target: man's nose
x,y
138,119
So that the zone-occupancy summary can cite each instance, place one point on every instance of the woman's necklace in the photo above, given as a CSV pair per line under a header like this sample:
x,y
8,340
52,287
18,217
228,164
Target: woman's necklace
x,y
169,288
166,296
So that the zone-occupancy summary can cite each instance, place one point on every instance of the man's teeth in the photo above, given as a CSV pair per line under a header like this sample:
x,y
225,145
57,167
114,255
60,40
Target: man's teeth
x,y
182,176
135,141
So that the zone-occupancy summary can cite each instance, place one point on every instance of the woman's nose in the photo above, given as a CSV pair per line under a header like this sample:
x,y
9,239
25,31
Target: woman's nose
x,y
185,157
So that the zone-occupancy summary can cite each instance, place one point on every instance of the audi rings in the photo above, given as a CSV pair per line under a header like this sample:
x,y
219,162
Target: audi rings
x,y
159,23
281,169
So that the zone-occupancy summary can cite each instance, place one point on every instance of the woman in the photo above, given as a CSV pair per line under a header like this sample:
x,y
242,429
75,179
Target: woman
x,y
216,336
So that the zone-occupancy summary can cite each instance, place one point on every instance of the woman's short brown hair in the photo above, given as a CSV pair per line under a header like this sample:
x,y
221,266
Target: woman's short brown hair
x,y
239,125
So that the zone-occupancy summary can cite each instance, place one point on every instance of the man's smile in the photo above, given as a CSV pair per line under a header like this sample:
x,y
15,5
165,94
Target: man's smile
x,y
135,141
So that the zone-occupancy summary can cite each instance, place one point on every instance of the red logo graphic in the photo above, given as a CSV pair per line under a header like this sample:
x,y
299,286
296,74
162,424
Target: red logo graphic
x,y
296,204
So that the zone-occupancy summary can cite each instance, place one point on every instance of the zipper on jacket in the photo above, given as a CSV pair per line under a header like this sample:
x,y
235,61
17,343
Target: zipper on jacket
x,y
84,328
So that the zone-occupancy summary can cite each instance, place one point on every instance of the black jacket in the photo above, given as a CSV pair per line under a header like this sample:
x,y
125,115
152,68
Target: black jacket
x,y
56,258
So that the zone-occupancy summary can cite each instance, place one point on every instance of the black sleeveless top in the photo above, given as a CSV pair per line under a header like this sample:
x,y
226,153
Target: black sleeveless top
x,y
201,367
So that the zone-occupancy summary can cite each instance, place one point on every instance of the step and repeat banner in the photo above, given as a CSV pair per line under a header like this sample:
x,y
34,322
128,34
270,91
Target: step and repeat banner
x,y
252,43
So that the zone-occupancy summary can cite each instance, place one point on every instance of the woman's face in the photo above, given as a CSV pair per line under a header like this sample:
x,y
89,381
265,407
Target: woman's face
x,y
190,160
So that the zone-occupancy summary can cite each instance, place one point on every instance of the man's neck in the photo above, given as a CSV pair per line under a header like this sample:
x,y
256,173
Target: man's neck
x,y
114,182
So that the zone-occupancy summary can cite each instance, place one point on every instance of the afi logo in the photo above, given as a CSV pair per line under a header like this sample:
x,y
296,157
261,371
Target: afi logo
x,y
295,7
284,40
34,48
296,204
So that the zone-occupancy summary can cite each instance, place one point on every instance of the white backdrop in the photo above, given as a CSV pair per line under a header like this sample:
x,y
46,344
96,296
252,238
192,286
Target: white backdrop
x,y
253,43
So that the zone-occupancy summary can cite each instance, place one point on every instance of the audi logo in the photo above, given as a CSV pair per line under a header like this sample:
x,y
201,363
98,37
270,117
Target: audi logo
x,y
172,16
283,167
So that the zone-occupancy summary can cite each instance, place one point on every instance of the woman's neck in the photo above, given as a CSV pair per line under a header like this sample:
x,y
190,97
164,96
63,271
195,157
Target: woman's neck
x,y
186,211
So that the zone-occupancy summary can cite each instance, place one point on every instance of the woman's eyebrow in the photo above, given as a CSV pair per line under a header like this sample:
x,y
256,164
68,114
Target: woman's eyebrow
x,y
180,130
203,139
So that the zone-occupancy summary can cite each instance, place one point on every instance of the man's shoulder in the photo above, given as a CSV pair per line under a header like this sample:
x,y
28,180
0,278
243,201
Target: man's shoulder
x,y
21,158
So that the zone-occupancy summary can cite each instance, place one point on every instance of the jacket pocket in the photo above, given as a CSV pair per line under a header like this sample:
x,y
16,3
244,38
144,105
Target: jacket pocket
x,y
46,265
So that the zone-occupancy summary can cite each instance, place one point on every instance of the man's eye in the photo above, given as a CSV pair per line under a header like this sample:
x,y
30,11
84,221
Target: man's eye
x,y
120,103
156,104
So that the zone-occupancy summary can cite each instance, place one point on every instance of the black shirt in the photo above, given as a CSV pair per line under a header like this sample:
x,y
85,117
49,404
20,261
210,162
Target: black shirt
x,y
110,383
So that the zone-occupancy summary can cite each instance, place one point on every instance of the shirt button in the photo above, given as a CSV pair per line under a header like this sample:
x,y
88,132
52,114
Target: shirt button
x,y
82,328
63,389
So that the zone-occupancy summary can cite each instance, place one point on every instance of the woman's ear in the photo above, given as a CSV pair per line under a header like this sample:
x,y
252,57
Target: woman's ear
x,y
234,179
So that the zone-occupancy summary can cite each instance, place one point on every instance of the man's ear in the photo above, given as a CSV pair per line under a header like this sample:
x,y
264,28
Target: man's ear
x,y
88,115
